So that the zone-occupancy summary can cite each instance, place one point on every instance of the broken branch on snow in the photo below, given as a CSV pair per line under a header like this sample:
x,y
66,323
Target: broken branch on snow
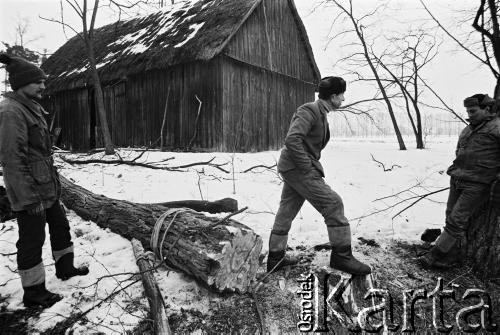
x,y
145,165
383,165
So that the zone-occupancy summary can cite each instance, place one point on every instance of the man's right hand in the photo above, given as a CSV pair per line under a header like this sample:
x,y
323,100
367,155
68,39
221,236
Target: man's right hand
x,y
37,211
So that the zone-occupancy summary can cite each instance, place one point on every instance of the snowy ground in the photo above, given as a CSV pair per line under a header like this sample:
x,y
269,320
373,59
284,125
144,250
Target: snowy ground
x,y
350,170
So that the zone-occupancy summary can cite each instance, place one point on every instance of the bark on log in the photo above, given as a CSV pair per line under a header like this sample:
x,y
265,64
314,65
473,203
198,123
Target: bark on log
x,y
225,257
483,238
217,206
156,304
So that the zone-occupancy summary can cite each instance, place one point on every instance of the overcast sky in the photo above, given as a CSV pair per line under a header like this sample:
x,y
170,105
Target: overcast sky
x,y
454,74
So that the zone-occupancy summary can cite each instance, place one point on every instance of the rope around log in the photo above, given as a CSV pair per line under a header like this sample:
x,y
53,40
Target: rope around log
x,y
160,222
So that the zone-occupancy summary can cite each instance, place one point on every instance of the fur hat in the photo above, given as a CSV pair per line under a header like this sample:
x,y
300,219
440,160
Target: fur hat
x,y
331,85
21,72
481,100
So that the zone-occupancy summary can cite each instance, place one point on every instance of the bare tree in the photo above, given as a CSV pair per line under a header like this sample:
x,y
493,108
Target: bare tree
x,y
22,32
413,52
368,58
19,47
486,23
88,17
21,29
87,12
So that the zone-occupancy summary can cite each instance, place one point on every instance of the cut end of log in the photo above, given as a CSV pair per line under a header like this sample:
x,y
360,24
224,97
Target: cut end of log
x,y
238,262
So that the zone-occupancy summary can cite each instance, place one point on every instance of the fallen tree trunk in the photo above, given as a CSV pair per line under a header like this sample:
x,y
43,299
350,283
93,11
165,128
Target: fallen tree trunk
x,y
217,206
224,256
156,304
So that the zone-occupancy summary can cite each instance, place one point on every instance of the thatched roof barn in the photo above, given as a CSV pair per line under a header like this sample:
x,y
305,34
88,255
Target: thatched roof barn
x,y
249,62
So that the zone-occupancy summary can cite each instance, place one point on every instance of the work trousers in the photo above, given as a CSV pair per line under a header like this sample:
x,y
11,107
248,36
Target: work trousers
x,y
32,235
464,198
311,187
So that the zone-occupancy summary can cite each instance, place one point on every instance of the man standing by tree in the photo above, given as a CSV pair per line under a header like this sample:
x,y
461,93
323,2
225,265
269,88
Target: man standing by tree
x,y
303,180
32,182
476,167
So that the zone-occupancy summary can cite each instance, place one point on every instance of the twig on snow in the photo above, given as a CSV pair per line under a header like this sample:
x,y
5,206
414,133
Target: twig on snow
x,y
383,165
224,219
421,197
258,166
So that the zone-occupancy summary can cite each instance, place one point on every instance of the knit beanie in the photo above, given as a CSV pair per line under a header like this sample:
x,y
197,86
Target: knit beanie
x,y
331,85
21,72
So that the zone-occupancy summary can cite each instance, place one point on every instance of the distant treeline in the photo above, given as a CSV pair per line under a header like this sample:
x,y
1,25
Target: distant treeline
x,y
347,125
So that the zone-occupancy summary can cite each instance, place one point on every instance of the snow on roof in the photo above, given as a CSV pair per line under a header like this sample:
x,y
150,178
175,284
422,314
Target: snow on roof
x,y
195,27
179,33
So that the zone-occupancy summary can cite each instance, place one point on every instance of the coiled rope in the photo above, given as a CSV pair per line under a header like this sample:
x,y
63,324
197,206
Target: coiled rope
x,y
155,243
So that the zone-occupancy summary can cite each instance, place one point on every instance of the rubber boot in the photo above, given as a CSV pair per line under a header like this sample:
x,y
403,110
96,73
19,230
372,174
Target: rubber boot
x,y
277,257
444,254
277,260
341,257
39,296
65,268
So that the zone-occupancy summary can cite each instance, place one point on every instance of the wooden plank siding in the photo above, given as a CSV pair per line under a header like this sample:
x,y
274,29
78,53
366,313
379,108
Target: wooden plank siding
x,y
135,107
267,74
71,111
279,49
258,105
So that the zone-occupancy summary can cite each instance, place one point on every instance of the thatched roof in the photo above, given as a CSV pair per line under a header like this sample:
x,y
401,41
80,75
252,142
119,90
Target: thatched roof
x,y
184,32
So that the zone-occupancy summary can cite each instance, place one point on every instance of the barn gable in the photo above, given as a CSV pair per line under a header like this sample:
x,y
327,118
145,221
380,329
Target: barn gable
x,y
274,38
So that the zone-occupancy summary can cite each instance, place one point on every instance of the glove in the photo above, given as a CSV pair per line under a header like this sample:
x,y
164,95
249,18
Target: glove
x,y
37,211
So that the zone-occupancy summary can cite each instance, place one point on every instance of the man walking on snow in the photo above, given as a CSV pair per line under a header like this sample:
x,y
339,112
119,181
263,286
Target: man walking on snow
x,y
32,182
303,180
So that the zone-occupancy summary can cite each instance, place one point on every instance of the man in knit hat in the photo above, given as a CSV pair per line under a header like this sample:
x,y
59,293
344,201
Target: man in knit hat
x,y
303,180
32,182
475,168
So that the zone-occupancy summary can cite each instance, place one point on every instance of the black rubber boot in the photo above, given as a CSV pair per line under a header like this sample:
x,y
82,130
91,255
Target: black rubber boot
x,y
65,268
39,296
341,257
444,254
277,260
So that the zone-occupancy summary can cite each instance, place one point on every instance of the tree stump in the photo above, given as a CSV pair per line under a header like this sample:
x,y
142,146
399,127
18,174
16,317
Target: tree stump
x,y
223,255
483,238
356,287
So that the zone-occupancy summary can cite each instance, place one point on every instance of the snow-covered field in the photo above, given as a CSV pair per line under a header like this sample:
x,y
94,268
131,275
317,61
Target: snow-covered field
x,y
350,170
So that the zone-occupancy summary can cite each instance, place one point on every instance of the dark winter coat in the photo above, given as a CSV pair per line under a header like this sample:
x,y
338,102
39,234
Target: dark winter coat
x,y
478,153
25,154
307,136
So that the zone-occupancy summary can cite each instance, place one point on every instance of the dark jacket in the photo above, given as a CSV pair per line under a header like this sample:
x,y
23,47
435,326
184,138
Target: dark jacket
x,y
25,154
307,136
478,153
